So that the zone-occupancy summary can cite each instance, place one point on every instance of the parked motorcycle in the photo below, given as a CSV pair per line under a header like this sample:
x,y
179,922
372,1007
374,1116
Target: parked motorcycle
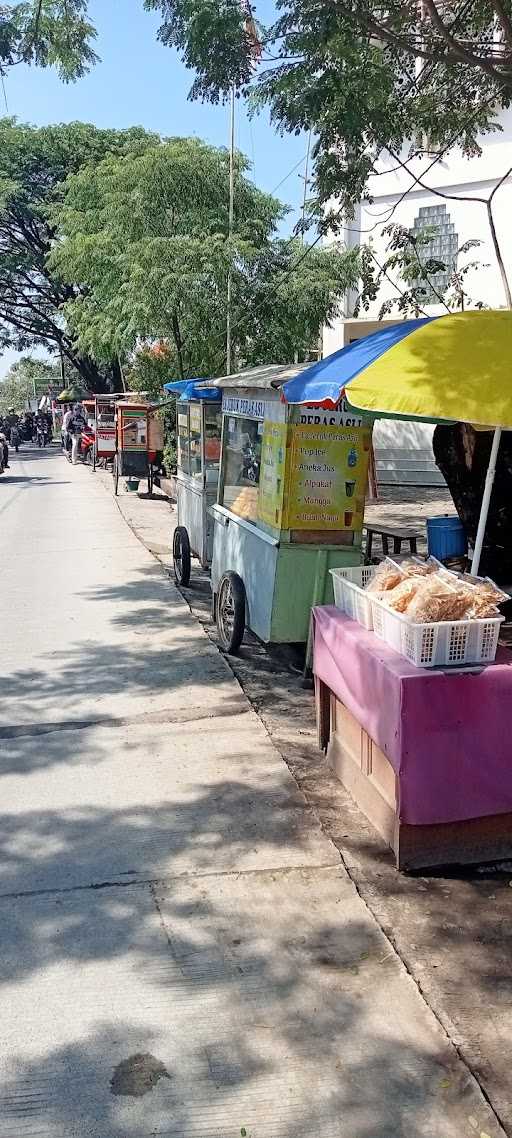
x,y
86,448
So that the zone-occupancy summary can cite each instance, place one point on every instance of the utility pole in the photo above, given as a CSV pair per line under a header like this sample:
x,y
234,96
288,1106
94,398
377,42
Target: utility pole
x,y
62,368
230,224
304,200
306,181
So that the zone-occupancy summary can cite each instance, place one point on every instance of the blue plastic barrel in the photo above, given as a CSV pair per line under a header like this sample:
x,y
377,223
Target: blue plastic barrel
x,y
446,537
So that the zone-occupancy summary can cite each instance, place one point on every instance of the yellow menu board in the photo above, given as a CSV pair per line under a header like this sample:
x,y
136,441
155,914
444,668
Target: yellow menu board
x,y
327,477
272,474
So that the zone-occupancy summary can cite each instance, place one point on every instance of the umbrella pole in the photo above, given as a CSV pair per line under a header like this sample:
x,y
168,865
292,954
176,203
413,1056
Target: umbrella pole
x,y
484,509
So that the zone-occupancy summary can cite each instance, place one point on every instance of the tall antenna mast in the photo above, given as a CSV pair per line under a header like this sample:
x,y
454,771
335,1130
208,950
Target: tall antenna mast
x,y
230,224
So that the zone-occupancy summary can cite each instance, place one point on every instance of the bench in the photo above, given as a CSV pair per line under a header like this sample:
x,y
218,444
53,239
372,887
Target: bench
x,y
387,534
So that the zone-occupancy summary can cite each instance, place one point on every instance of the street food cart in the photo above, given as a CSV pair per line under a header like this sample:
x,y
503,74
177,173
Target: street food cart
x,y
290,507
104,429
413,715
138,441
198,424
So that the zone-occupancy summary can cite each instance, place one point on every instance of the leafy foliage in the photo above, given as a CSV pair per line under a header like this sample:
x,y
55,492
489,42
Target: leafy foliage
x,y
349,72
147,238
418,279
48,33
28,378
34,163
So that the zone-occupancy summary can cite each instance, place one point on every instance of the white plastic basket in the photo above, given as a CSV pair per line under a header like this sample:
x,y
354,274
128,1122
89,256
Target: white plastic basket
x,y
349,594
442,643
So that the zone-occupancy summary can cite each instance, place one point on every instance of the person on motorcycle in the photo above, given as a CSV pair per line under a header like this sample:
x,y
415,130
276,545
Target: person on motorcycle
x,y
76,425
41,429
12,422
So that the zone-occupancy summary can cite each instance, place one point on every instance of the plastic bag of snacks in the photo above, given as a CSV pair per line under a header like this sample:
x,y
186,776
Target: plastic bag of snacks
x,y
437,600
401,596
485,596
414,567
386,576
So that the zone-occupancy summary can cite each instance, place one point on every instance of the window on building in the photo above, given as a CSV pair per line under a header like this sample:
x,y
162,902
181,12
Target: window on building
x,y
442,245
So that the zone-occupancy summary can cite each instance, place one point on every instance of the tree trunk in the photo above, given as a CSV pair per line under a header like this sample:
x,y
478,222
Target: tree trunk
x,y
462,455
94,378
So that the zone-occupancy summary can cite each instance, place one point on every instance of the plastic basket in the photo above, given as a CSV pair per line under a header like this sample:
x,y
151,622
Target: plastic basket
x,y
349,594
443,643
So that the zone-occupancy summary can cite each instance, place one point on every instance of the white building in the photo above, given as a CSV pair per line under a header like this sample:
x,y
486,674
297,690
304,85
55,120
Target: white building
x,y
404,451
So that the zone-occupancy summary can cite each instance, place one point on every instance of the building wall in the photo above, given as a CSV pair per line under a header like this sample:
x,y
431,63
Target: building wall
x,y
404,451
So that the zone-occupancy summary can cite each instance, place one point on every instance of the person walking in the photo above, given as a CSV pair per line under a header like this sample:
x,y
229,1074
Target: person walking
x,y
65,426
76,425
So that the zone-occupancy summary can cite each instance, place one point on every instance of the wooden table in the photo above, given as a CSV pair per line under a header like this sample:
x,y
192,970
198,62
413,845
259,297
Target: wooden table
x,y
424,753
387,534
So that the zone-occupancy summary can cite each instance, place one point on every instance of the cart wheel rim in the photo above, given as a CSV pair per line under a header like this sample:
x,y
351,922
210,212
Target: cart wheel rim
x,y
226,609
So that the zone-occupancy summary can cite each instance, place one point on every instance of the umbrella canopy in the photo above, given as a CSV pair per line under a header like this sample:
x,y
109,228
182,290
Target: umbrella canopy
x,y
447,369
72,394
193,389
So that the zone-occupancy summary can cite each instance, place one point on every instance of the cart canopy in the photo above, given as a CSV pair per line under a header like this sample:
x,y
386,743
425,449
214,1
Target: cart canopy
x,y
188,389
265,376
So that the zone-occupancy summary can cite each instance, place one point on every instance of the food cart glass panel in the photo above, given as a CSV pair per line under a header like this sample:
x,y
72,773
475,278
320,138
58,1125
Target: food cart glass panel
x,y
183,440
241,465
212,443
194,419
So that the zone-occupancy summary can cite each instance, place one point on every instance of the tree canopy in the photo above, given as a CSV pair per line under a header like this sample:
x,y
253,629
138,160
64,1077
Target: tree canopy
x,y
34,163
27,379
363,76
48,33
146,237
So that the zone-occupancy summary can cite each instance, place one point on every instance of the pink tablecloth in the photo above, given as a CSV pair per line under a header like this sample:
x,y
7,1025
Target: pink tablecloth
x,y
448,735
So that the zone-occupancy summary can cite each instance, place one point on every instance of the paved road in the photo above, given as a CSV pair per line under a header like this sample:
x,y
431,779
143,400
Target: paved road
x,y
181,953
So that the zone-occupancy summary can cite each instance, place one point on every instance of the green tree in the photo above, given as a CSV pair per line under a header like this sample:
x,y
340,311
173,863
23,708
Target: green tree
x,y
48,33
34,164
363,76
147,239
27,379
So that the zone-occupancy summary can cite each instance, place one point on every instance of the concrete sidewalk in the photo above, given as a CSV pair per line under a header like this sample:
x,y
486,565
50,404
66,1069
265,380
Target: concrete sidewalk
x,y
452,931
182,951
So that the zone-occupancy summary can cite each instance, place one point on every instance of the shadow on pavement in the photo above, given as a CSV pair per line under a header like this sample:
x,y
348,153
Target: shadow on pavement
x,y
277,1023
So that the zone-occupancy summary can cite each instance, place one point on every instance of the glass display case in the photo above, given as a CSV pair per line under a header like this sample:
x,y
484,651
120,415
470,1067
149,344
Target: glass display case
x,y
198,428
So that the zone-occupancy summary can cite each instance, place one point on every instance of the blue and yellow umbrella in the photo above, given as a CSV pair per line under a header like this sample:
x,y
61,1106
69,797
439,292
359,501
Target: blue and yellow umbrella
x,y
455,368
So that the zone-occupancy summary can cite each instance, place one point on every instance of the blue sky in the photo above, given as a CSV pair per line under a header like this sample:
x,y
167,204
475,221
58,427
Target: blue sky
x,y
141,82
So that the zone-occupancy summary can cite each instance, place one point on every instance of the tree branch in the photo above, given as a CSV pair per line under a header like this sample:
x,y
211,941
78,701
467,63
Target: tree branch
x,y
504,20
497,251
460,53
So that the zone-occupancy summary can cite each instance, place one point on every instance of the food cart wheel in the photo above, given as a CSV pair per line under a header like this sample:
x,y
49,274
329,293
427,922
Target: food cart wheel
x,y
181,556
115,473
231,611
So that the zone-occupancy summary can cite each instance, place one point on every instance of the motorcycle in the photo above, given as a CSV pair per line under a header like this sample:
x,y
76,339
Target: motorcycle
x,y
86,448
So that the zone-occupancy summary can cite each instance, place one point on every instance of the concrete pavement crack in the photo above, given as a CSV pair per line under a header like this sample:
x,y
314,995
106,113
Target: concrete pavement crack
x,y
140,882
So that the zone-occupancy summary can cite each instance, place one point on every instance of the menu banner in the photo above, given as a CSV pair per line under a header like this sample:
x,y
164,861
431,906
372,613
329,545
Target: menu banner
x,y
328,477
272,474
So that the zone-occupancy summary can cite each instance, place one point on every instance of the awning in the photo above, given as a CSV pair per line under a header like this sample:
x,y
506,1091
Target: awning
x,y
188,389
